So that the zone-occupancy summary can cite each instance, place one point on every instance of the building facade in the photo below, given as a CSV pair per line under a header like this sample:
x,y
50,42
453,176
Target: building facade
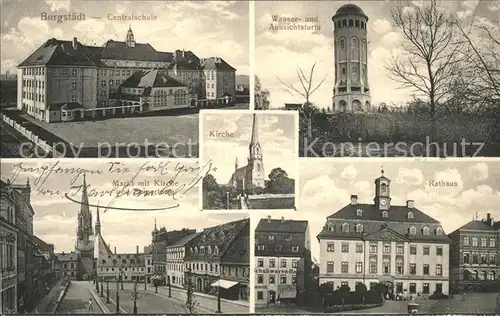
x,y
279,247
474,255
203,260
67,265
8,250
398,246
175,254
84,246
66,80
351,91
252,175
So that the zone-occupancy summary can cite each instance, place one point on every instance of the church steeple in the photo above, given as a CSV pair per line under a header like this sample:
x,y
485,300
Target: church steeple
x,y
130,37
255,149
84,216
97,222
382,192
236,164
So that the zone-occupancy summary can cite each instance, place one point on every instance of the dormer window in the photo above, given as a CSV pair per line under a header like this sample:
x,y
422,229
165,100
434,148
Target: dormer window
x,y
271,237
359,213
345,228
216,250
413,230
439,231
295,248
209,250
260,247
279,248
410,215
331,228
425,230
385,214
222,235
359,228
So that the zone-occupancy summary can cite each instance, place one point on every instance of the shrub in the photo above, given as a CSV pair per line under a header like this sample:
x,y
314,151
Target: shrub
x,y
373,297
438,296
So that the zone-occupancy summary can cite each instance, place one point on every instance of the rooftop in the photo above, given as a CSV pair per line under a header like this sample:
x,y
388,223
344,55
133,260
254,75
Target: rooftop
x,y
350,9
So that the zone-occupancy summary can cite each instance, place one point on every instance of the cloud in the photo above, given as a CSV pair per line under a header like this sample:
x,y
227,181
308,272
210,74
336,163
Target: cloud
x,y
349,173
494,6
382,26
410,176
479,171
58,5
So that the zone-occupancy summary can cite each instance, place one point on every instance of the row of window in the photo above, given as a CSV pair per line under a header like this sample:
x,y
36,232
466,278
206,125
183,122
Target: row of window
x,y
201,250
483,242
279,248
475,275
7,212
120,269
350,23
124,261
357,52
386,267
71,266
477,258
272,279
8,255
38,97
272,263
36,71
386,248
36,84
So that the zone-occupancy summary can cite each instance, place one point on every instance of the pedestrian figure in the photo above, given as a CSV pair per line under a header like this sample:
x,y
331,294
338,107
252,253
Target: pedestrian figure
x,y
90,305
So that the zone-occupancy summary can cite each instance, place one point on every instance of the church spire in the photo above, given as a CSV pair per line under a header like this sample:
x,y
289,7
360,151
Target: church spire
x,y
254,147
84,207
236,164
97,222
255,131
130,40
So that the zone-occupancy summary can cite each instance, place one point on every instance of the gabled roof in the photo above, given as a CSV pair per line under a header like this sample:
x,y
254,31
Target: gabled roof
x,y
216,63
239,250
67,256
386,233
478,225
42,245
183,240
397,213
238,174
267,225
151,79
281,237
120,50
101,249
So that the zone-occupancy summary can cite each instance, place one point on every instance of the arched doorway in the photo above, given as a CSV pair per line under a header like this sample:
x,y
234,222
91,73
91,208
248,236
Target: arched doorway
x,y
199,284
272,297
389,289
342,106
356,106
466,275
367,106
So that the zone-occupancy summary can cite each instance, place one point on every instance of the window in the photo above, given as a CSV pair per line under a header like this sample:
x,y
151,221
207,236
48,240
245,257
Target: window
x,y
426,269
466,257
359,267
439,269
271,237
359,248
475,259
484,260
356,23
74,72
272,263
427,250
426,231
413,230
345,228
272,279
295,263
260,263
425,288
385,214
260,295
260,247
331,228
283,279
386,265
373,265
345,247
260,278
400,249
492,242
399,266
359,213
344,23
73,98
73,85
410,215
283,263
294,279
295,248
345,267
439,231
439,251
466,241
474,241
413,268
329,267
387,248
373,248
413,288
483,242
492,258
330,247
359,228
351,23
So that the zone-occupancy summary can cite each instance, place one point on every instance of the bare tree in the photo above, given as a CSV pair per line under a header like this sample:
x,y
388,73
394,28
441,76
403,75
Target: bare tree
x,y
306,90
430,64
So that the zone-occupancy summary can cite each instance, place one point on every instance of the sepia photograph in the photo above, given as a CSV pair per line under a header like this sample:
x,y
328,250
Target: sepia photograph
x,y
117,78
407,237
254,157
383,78
120,237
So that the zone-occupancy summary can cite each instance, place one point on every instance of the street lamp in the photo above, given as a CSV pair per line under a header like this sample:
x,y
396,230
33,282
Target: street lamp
x,y
121,277
107,292
218,298
96,281
135,294
102,291
118,292
169,288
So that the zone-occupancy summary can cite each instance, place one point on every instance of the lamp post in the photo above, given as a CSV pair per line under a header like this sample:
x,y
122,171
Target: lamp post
x,y
218,298
107,292
121,277
96,281
135,294
118,294
169,288
102,290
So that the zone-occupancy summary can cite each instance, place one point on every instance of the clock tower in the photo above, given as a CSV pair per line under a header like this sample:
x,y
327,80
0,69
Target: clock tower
x,y
382,193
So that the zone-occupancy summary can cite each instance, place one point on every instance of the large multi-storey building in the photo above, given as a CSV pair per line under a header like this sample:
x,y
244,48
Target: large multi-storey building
x,y
204,259
279,247
474,254
8,250
351,91
66,80
399,246
66,266
175,254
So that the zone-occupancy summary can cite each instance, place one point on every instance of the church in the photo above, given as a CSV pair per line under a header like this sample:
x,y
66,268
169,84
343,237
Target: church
x,y
252,176
94,255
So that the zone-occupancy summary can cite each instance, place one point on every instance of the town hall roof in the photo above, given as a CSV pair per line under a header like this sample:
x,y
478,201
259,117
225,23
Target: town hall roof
x,y
279,237
156,78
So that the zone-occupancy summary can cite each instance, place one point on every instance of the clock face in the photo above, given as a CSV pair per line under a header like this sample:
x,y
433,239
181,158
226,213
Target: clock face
x,y
383,202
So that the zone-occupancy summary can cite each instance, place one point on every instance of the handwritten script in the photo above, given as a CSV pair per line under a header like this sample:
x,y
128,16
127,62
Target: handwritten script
x,y
115,180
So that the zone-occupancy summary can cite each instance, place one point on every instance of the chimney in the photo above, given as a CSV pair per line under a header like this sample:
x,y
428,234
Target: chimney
x,y
269,218
282,219
488,219
410,204
354,200
115,250
75,43
137,249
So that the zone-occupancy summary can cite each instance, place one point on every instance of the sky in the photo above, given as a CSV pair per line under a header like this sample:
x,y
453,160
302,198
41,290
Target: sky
x,y
208,28
55,219
326,186
277,137
279,53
